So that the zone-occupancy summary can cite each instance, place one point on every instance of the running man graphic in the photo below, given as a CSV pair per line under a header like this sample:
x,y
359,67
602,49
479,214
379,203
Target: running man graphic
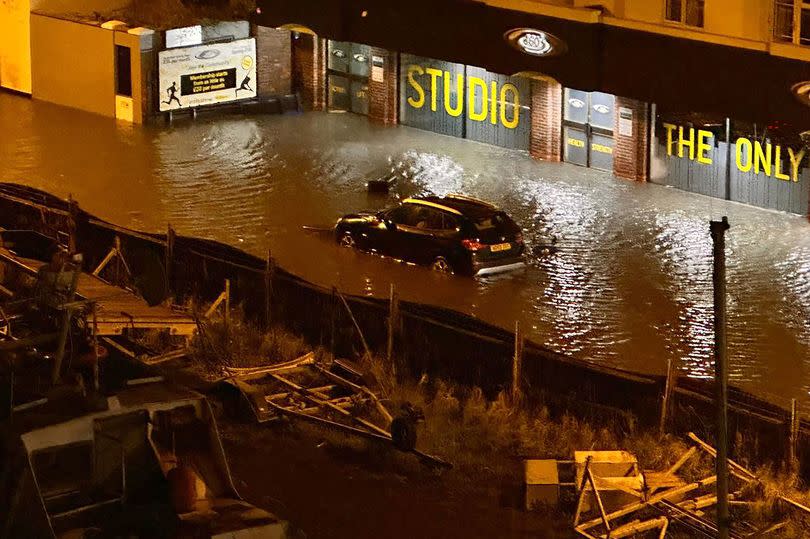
x,y
244,86
171,91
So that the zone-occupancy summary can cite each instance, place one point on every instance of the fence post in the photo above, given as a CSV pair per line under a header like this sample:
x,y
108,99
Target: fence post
x,y
332,315
367,350
269,270
96,366
227,304
67,313
669,387
517,367
793,436
169,262
393,325
73,210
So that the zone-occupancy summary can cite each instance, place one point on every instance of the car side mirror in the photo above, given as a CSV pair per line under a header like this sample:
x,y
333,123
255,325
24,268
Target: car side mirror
x,y
389,224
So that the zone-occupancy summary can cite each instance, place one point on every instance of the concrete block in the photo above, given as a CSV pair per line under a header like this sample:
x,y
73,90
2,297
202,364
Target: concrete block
x,y
542,483
114,25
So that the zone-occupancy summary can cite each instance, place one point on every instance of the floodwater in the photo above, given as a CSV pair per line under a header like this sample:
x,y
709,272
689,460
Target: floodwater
x,y
629,284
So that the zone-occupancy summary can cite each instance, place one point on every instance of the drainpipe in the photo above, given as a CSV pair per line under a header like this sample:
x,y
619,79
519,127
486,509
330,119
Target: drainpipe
x,y
728,158
651,114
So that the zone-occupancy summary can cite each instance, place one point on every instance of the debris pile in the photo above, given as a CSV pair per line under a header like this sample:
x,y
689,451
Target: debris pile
x,y
614,499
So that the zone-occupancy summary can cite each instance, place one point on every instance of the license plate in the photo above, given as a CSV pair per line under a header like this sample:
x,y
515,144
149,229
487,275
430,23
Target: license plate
x,y
500,247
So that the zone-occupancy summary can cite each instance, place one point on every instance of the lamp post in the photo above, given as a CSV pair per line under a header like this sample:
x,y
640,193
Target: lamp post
x,y
718,231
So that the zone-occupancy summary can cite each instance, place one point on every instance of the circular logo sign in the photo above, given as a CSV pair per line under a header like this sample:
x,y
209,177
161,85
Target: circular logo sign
x,y
601,109
801,91
339,53
360,58
247,62
576,103
534,42
207,54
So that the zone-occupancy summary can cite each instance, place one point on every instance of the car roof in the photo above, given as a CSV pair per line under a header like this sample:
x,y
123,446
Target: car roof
x,y
457,204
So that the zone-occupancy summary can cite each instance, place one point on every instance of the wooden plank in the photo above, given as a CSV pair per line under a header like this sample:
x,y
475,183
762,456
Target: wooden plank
x,y
735,468
671,471
320,401
653,500
637,527
605,521
363,389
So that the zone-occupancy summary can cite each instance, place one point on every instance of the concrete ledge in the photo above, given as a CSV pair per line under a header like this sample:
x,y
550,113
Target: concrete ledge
x,y
586,15
686,32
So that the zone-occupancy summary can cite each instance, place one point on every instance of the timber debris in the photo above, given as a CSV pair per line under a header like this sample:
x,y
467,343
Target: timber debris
x,y
332,395
614,499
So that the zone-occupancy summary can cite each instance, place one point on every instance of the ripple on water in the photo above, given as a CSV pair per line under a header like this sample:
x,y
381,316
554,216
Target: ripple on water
x,y
629,283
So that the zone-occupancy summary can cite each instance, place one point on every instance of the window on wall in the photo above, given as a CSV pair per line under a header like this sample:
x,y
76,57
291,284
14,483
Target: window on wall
x,y
689,12
791,21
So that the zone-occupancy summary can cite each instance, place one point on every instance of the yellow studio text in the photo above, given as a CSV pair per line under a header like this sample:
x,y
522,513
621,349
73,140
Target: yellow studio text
x,y
484,102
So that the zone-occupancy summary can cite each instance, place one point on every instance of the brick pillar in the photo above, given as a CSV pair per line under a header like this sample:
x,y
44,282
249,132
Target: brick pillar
x,y
309,70
273,61
383,94
631,150
545,141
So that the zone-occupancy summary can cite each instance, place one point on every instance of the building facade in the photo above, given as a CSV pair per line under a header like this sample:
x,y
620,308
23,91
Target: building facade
x,y
704,95
65,52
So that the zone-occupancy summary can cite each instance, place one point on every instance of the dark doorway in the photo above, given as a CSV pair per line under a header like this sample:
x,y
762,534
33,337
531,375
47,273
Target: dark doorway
x,y
123,71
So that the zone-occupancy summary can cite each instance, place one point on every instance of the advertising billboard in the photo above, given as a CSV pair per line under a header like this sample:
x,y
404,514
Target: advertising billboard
x,y
207,74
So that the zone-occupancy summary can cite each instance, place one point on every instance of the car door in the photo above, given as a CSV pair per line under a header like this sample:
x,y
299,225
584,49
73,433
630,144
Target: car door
x,y
417,237
392,238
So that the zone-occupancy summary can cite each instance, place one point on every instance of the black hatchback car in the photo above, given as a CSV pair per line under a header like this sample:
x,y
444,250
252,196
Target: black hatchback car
x,y
451,234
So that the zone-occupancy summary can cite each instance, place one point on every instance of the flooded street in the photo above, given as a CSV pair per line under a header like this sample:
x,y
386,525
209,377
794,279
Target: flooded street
x,y
629,284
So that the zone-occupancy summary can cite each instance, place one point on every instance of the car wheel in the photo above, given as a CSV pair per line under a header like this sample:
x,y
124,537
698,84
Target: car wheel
x,y
347,240
441,265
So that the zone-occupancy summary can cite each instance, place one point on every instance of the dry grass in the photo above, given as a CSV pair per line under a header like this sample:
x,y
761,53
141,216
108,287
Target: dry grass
x,y
487,440
241,344
477,434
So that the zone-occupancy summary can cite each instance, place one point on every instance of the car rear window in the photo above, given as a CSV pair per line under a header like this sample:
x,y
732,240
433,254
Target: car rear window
x,y
496,222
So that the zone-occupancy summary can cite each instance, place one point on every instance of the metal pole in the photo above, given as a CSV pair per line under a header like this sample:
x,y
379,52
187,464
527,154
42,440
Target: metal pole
x,y
718,231
517,367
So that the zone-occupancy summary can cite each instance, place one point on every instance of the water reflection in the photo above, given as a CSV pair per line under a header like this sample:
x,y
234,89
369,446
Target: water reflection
x,y
628,283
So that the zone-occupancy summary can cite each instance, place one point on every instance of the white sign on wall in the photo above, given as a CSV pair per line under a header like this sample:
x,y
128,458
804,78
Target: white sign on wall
x,y
377,68
184,37
207,74
625,122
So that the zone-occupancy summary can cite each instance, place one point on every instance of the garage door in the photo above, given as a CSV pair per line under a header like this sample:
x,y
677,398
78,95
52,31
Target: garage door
x,y
440,111
756,172
465,101
776,185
